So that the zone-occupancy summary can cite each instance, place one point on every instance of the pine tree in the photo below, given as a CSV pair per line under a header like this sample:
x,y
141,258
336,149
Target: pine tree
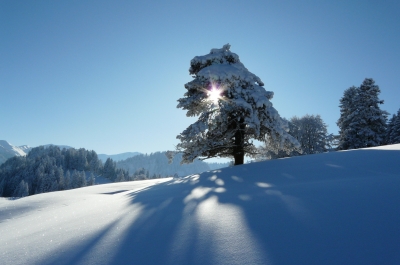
x,y
67,181
232,108
91,179
78,179
22,190
1,187
389,130
362,123
83,182
395,133
120,176
348,111
371,120
109,170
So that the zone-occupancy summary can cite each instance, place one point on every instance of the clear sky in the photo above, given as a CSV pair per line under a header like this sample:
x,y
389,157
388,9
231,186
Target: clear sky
x,y
106,75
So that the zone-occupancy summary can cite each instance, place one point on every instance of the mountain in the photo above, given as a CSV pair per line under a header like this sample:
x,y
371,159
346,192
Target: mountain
x,y
331,208
160,164
157,163
8,150
117,157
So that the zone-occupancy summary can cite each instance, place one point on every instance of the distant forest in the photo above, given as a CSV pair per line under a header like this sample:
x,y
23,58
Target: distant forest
x,y
47,169
50,168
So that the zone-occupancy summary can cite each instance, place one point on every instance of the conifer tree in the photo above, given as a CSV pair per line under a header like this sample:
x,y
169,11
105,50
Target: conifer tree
x,y
389,130
362,123
347,115
91,179
395,133
232,108
370,124
22,190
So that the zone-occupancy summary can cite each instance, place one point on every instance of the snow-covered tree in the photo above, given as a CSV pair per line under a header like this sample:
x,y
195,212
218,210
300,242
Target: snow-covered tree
x,y
67,180
395,129
332,142
1,187
362,122
311,132
389,129
347,115
232,108
371,120
120,177
91,179
109,170
78,179
22,190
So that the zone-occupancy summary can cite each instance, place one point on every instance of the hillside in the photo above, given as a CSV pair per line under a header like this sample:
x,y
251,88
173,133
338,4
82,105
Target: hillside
x,y
8,150
332,208
157,163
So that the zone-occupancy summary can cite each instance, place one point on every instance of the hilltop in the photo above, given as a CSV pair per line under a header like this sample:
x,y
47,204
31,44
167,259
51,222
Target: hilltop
x,y
331,208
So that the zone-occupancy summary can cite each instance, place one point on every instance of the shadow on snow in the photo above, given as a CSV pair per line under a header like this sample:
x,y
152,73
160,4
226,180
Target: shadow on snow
x,y
334,208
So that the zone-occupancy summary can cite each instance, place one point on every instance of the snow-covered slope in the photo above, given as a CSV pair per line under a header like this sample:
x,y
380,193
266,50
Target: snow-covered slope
x,y
8,150
333,208
117,157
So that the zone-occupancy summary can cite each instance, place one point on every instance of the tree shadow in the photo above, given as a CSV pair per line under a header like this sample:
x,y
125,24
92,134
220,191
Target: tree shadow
x,y
113,192
332,209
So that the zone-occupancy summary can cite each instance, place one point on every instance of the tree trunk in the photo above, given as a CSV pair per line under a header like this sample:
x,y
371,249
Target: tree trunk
x,y
238,150
239,158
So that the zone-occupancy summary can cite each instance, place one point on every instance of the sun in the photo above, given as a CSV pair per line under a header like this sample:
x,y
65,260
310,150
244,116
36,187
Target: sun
x,y
214,94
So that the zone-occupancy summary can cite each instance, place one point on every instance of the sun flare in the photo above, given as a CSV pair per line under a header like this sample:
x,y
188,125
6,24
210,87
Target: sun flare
x,y
214,94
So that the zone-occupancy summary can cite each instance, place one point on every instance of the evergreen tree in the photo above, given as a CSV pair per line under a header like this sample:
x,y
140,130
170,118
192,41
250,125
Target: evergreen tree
x,y
91,179
232,108
78,179
67,181
1,187
22,190
389,130
395,132
362,123
371,120
83,179
109,170
47,183
60,178
348,111
120,176
43,170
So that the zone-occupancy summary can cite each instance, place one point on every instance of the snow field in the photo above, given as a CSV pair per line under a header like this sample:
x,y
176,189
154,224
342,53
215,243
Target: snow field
x,y
332,208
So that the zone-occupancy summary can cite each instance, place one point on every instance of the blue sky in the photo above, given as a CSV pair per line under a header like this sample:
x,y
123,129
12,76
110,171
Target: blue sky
x,y
106,75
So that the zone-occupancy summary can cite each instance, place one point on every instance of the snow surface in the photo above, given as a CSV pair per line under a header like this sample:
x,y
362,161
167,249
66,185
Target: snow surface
x,y
11,149
332,208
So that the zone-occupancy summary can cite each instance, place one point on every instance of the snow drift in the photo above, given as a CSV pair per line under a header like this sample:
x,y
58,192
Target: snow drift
x,y
332,208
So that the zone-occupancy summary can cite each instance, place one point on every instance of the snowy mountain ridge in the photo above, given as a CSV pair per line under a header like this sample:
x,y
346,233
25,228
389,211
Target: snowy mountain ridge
x,y
8,150
12,149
